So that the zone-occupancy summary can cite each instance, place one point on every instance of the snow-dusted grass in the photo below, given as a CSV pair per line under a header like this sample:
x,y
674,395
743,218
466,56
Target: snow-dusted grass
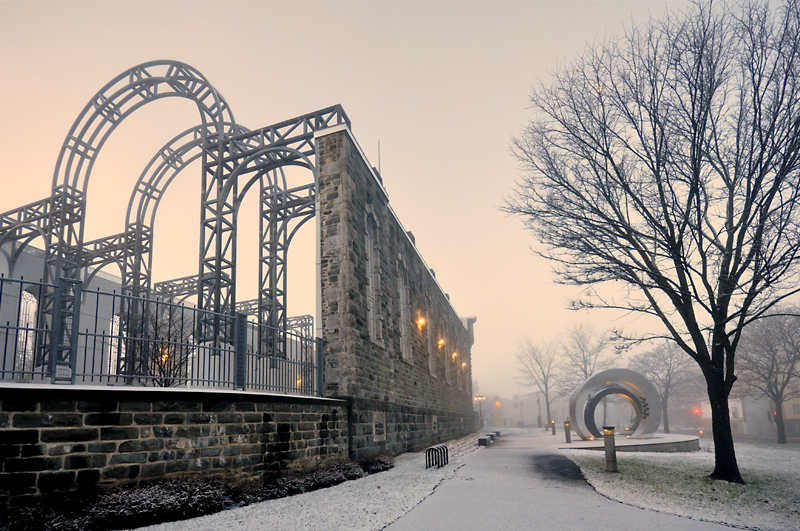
x,y
676,483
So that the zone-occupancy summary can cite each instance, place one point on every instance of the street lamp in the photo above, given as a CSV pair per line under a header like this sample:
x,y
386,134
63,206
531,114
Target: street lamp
x,y
480,398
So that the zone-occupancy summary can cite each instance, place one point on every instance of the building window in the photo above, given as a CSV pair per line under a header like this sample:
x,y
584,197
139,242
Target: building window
x,y
431,352
373,263
796,409
26,337
116,348
404,301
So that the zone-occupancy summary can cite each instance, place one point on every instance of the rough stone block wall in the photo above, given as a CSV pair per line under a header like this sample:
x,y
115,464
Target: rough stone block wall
x,y
435,379
383,427
57,439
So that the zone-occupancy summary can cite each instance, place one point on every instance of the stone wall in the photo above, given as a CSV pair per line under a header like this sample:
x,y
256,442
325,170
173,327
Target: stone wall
x,y
63,438
408,392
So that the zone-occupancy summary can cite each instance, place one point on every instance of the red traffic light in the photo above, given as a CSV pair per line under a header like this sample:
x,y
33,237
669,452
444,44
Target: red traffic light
x,y
696,411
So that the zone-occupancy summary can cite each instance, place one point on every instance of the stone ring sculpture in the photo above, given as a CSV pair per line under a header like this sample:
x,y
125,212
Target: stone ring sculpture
x,y
630,385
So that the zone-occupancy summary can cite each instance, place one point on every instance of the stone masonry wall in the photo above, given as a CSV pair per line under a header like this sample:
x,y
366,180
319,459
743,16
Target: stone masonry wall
x,y
59,439
427,393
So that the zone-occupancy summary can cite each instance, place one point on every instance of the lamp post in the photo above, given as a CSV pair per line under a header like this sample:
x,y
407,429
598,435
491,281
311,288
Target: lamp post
x,y
610,448
480,398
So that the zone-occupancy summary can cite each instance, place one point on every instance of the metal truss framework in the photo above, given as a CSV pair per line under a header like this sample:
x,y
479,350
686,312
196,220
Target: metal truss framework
x,y
234,159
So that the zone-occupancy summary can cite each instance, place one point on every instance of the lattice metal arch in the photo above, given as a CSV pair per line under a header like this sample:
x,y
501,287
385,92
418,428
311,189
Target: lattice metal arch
x,y
288,142
281,206
116,101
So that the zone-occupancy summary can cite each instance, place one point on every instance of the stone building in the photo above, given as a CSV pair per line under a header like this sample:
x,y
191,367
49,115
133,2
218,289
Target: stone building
x,y
395,348
396,368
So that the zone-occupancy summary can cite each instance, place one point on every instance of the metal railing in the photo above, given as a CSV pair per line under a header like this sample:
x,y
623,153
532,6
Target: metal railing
x,y
135,341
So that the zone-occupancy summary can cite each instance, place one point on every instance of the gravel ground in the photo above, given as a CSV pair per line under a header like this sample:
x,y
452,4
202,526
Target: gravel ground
x,y
369,503
677,484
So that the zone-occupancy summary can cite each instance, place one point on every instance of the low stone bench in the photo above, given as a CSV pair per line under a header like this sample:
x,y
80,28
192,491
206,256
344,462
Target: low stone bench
x,y
484,441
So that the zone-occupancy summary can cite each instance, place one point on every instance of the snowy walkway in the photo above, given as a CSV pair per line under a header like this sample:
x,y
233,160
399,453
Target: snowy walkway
x,y
515,484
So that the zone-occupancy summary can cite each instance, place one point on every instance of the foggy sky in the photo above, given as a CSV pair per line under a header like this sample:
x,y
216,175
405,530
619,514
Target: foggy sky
x,y
442,86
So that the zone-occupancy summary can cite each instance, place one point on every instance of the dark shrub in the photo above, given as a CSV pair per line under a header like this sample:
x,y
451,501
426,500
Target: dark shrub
x,y
376,463
177,499
290,485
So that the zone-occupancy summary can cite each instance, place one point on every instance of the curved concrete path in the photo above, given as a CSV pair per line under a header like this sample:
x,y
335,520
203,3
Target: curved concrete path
x,y
523,482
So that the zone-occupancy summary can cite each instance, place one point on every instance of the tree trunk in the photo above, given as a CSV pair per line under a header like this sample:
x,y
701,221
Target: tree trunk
x,y
725,466
779,420
664,417
547,402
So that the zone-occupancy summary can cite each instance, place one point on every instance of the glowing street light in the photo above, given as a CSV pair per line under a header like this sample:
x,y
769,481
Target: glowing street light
x,y
480,398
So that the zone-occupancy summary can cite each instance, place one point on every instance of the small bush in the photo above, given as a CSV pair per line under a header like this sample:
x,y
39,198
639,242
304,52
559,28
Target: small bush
x,y
43,518
376,463
290,485
177,499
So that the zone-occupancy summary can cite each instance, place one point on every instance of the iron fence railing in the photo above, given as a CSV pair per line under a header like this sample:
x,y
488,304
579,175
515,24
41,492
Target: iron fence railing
x,y
134,341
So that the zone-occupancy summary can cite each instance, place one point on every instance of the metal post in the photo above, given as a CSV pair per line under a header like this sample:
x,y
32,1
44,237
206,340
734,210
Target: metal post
x,y
611,449
567,433
320,368
240,350
553,426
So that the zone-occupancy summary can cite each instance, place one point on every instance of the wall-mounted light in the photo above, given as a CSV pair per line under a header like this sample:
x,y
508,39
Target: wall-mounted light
x,y
464,365
421,322
441,344
455,355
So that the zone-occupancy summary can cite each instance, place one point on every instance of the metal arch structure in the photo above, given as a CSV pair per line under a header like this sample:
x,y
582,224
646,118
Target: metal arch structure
x,y
117,100
148,191
640,393
228,153
278,208
286,143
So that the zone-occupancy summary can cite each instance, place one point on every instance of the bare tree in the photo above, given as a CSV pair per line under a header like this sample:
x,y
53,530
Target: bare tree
x,y
158,345
537,366
770,361
667,161
669,369
584,352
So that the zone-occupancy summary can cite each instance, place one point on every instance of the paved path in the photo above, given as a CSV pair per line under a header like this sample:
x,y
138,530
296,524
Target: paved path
x,y
523,482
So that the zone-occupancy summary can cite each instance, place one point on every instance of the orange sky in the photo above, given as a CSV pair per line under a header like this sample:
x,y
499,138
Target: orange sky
x,y
441,85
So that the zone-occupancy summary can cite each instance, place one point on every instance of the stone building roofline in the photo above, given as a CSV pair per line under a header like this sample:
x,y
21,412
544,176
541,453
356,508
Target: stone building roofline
x,y
467,322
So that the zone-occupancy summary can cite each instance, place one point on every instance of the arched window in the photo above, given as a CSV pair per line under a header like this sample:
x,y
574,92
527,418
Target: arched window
x,y
404,301
373,266
26,337
432,351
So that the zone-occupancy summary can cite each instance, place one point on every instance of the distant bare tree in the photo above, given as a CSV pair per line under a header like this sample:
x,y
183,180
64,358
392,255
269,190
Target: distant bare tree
x,y
669,369
770,361
537,366
668,162
584,352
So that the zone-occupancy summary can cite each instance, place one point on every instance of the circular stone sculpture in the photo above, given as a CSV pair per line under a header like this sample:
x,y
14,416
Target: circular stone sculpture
x,y
630,385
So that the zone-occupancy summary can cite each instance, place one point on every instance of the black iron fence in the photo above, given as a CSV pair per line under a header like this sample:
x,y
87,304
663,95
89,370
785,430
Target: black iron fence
x,y
112,339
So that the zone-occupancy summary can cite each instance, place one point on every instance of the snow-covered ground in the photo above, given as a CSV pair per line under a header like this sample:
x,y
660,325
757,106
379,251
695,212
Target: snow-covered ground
x,y
670,483
677,484
366,504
